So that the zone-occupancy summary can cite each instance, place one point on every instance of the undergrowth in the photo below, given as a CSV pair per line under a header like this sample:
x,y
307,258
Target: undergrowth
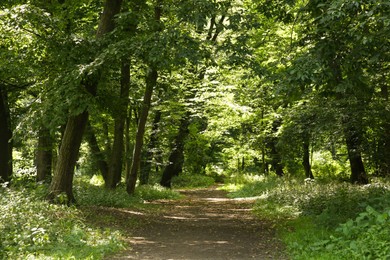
x,y
192,181
91,192
32,228
324,220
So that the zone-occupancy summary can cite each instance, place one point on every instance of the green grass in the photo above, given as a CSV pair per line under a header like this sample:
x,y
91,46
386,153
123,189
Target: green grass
x,y
324,220
192,181
91,192
31,228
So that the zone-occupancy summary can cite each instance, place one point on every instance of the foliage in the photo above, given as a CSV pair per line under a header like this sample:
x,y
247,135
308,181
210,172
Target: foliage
x,y
251,185
192,181
91,192
322,219
263,83
155,192
32,228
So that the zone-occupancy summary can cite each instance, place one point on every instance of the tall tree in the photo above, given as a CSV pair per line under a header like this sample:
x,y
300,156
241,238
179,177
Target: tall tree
x,y
116,160
71,141
5,137
151,81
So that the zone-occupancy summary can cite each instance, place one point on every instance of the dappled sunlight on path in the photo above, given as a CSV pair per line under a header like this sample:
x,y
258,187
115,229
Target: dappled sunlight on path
x,y
203,225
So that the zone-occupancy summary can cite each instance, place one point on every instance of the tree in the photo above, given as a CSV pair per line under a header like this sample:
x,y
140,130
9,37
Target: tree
x,y
133,175
5,137
71,141
44,154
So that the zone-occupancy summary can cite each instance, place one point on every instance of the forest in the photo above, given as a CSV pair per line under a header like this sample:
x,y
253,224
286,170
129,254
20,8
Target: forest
x,y
109,105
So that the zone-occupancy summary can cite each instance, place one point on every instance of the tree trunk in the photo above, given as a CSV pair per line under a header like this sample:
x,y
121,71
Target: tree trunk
x,y
176,158
306,160
116,161
63,178
147,166
353,136
44,155
384,141
5,138
70,145
131,179
276,161
151,81
97,154
353,141
128,144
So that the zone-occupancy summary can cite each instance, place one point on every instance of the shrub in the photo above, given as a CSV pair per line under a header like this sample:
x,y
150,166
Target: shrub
x,y
366,237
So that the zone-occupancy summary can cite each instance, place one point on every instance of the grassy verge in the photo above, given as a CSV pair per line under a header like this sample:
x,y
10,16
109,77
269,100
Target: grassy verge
x,y
31,228
325,220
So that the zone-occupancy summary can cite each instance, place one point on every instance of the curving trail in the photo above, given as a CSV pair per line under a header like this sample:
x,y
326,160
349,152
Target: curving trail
x,y
203,225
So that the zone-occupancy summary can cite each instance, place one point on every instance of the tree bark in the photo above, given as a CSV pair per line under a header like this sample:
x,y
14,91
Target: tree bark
x,y
44,154
276,161
128,149
151,81
147,165
131,179
67,157
70,145
352,133
5,138
353,141
176,158
306,160
116,160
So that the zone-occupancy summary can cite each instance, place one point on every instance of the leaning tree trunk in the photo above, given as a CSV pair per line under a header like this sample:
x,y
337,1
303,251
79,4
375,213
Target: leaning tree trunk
x,y
116,160
151,81
176,158
131,179
44,154
5,138
70,145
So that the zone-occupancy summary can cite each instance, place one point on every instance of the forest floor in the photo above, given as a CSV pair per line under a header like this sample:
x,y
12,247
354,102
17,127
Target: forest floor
x,y
205,224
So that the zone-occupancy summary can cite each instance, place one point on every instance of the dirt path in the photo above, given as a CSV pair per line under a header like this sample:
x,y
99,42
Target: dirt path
x,y
204,225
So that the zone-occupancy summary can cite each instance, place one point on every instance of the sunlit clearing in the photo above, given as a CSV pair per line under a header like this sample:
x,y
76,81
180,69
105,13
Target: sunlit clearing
x,y
96,180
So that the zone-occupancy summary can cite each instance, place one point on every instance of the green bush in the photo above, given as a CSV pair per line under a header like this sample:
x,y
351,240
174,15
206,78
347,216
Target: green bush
x,y
32,228
366,237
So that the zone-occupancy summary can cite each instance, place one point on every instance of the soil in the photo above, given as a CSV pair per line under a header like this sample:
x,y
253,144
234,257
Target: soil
x,y
204,225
